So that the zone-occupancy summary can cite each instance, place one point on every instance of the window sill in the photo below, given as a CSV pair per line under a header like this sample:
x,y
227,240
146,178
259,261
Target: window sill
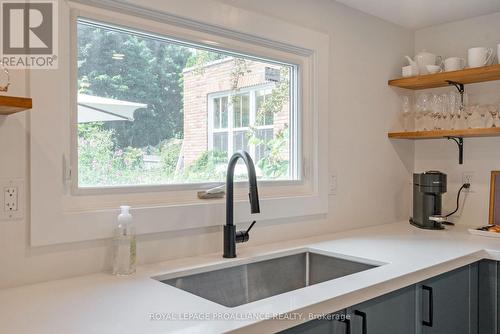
x,y
98,224
188,188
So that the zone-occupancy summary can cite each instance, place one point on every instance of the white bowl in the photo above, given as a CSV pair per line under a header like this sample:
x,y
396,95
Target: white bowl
x,y
433,68
407,71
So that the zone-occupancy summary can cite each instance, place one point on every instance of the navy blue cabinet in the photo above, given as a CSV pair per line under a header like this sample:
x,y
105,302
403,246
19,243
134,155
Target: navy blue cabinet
x,y
312,327
462,301
489,297
393,313
448,303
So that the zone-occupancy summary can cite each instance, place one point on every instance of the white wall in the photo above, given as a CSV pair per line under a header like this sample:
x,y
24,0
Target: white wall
x,y
365,52
482,155
372,171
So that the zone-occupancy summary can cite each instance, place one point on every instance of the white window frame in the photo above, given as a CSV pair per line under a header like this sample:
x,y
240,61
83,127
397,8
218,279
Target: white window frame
x,y
295,175
59,214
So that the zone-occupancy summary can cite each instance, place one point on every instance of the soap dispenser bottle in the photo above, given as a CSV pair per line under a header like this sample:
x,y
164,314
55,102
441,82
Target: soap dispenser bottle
x,y
124,245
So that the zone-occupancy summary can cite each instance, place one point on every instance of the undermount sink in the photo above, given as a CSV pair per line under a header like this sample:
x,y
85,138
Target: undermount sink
x,y
245,283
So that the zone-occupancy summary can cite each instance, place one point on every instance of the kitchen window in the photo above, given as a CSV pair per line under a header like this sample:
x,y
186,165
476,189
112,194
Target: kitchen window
x,y
152,110
119,109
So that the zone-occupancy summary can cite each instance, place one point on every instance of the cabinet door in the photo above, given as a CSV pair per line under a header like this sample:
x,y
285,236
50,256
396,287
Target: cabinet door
x,y
449,302
341,326
488,297
393,313
311,327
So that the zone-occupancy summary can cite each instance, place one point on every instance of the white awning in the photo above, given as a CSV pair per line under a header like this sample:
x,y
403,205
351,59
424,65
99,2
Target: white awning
x,y
102,109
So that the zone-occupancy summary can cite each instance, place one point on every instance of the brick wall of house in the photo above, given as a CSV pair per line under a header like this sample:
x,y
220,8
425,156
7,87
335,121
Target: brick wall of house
x,y
215,77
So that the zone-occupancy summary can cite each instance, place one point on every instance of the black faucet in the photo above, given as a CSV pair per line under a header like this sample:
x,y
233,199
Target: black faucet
x,y
231,236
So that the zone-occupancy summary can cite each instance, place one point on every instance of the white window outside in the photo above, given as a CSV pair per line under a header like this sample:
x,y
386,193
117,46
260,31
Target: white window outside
x,y
241,122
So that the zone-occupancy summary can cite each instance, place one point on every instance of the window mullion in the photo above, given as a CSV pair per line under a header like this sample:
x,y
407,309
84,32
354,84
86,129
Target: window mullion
x,y
221,114
210,119
230,120
252,111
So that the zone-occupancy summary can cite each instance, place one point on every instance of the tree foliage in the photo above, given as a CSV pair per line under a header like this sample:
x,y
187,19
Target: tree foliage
x,y
199,58
141,63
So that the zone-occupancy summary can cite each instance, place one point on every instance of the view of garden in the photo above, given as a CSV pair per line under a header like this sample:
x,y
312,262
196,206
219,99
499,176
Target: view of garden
x,y
148,149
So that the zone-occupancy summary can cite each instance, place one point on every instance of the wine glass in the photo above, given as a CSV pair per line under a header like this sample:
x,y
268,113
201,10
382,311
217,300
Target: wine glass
x,y
443,109
482,110
492,109
418,119
460,111
453,109
498,109
406,108
469,113
435,111
422,111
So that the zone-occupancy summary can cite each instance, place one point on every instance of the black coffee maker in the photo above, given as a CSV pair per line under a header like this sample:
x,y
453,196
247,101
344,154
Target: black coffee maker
x,y
428,188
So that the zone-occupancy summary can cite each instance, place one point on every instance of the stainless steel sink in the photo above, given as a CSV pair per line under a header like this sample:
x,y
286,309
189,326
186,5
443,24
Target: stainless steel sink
x,y
245,283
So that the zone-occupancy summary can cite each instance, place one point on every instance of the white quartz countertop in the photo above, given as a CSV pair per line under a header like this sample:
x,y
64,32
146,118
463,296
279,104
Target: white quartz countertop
x,y
102,303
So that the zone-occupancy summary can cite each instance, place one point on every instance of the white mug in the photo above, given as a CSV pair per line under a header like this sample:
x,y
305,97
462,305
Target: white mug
x,y
454,64
479,56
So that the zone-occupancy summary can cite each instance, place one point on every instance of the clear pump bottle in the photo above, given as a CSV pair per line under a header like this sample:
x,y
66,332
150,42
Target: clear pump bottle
x,y
124,245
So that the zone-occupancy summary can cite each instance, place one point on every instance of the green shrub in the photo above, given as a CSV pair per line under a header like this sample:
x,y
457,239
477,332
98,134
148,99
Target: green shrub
x,y
274,165
95,153
209,166
100,163
170,151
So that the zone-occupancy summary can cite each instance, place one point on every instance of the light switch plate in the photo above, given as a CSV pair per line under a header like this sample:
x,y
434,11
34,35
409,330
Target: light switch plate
x,y
12,203
333,184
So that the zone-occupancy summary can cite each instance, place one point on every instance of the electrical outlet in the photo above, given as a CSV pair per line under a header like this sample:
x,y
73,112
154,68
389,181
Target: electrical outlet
x,y
12,199
467,177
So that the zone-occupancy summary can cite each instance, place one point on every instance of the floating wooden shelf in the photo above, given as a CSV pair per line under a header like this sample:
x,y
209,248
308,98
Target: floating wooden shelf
x,y
445,79
464,133
11,104
466,76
